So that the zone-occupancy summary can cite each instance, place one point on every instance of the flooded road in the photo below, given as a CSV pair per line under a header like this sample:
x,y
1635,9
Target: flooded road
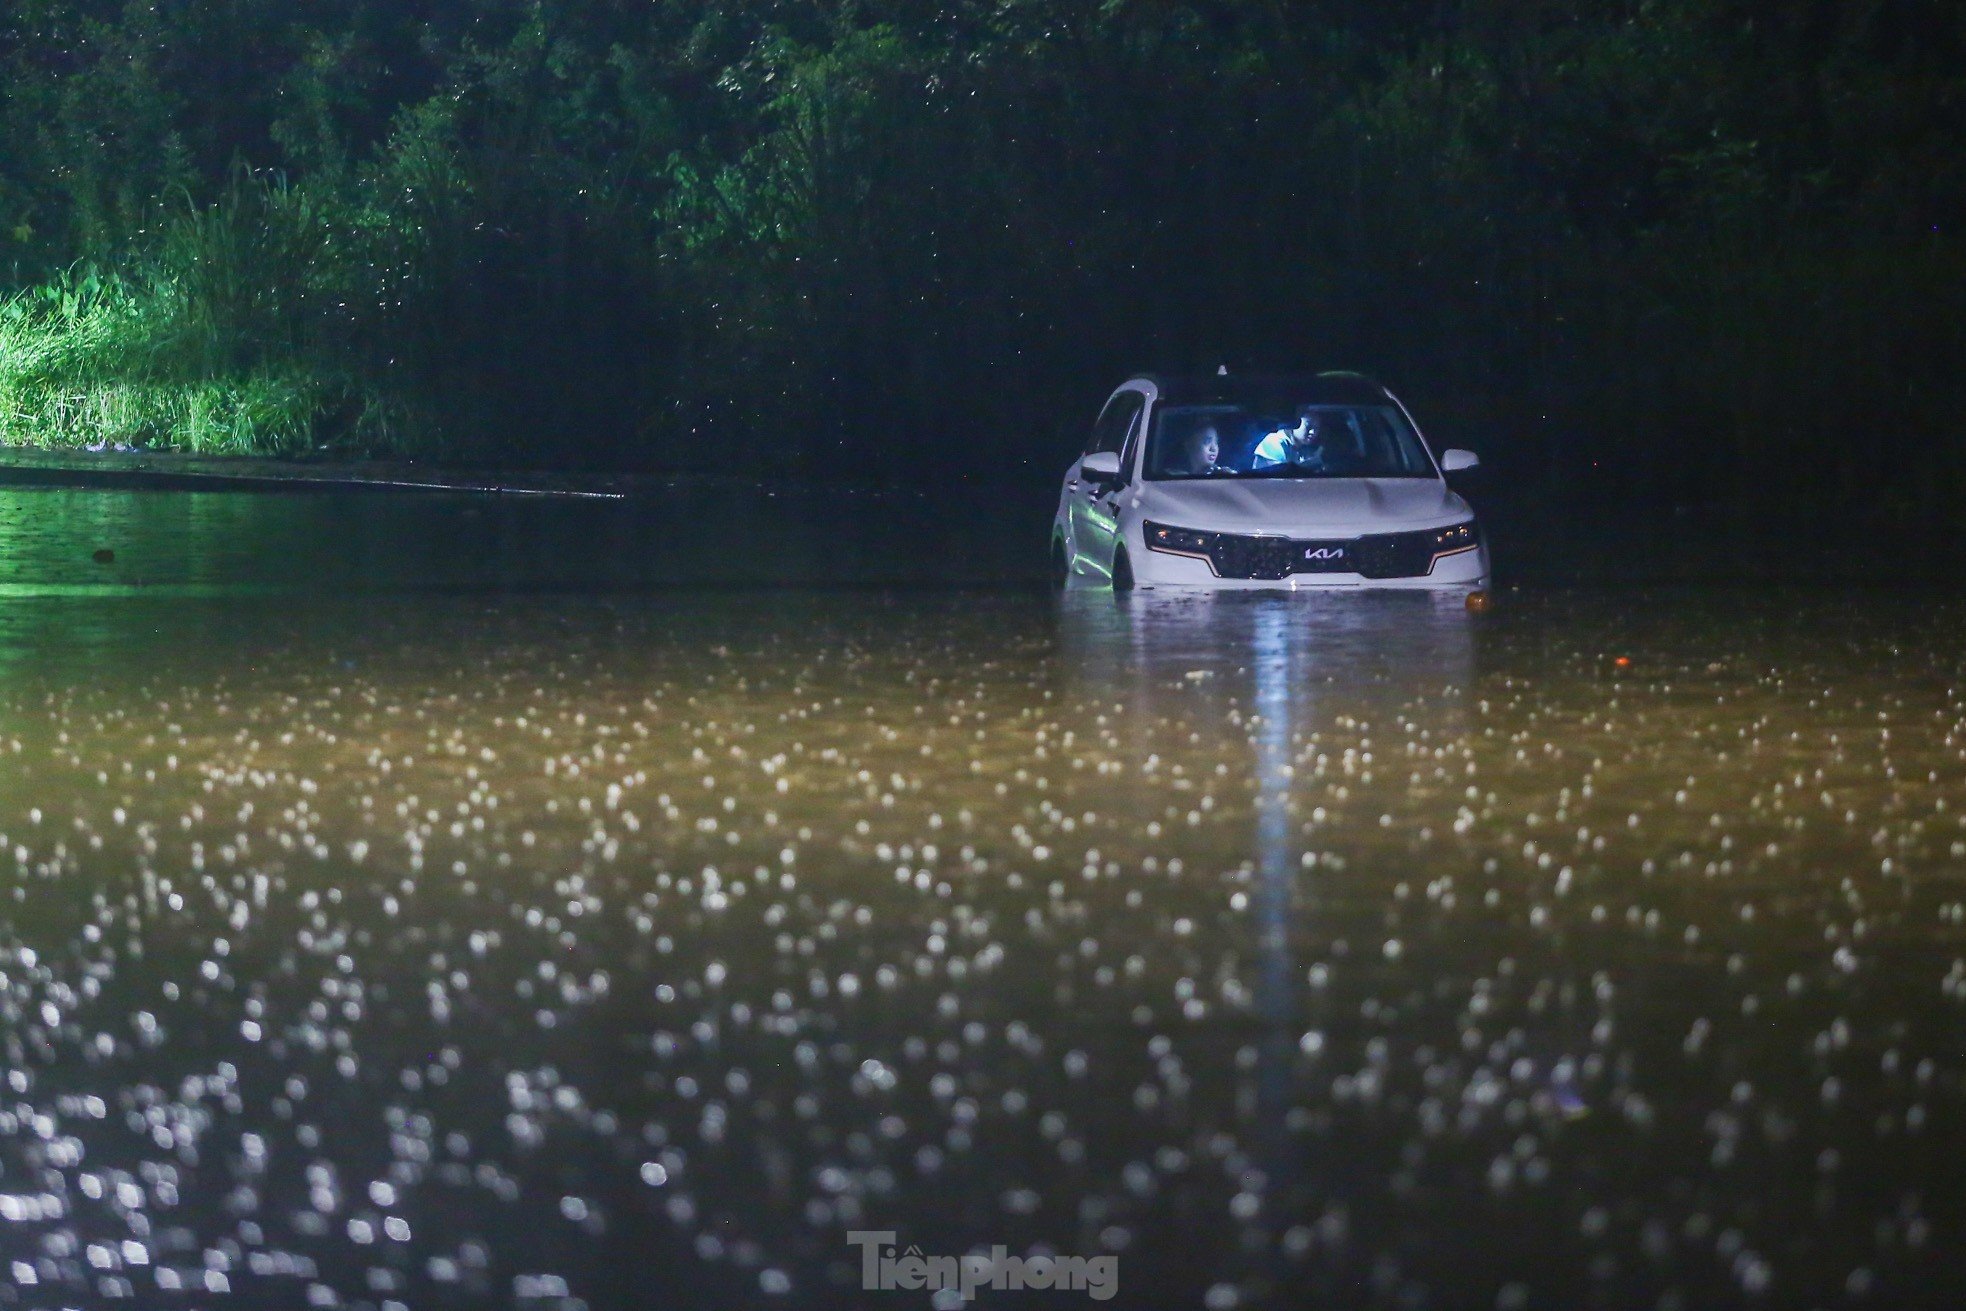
x,y
419,904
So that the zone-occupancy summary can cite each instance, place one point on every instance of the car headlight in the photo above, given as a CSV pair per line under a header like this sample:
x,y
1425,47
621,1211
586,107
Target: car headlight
x,y
1176,541
1461,537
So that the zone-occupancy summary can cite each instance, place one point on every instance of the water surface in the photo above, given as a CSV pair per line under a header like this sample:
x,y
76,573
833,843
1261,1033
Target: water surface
x,y
434,903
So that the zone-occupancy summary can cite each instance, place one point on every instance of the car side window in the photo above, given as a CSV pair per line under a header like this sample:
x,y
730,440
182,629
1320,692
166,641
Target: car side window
x,y
1115,423
1131,448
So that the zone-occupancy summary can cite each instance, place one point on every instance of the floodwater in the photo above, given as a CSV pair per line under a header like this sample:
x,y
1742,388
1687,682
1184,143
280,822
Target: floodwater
x,y
427,903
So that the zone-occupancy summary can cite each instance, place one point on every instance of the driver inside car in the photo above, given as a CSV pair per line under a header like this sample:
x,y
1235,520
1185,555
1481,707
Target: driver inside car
x,y
1202,451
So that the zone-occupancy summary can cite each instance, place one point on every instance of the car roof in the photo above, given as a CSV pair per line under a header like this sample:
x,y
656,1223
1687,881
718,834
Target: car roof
x,y
1257,389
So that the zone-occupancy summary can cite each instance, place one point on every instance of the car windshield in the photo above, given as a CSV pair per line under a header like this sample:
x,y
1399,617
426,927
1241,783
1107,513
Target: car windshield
x,y
1284,441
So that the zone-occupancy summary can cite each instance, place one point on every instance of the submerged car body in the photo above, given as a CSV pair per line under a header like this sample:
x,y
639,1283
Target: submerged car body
x,y
1233,482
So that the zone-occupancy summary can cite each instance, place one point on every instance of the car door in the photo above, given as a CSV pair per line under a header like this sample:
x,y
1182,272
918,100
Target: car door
x,y
1095,501
1103,513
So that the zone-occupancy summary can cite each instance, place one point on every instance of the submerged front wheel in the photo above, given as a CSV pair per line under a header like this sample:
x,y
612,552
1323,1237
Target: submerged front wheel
x,y
1060,570
1122,571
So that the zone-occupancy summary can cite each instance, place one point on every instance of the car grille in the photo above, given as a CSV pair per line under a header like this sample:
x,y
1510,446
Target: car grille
x,y
1385,555
1395,555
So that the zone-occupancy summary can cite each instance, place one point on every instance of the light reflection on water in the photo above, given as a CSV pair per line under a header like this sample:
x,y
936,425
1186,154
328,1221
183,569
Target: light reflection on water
x,y
1348,951
1297,662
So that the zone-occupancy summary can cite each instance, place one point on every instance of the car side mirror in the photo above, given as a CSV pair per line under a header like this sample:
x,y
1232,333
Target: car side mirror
x,y
1458,461
1101,465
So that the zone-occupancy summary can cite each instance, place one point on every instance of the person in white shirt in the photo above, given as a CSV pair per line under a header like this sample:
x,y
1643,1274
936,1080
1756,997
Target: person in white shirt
x,y
1302,447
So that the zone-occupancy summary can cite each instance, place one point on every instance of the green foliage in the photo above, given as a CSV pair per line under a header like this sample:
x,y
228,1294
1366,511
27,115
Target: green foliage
x,y
84,362
212,343
87,360
1672,245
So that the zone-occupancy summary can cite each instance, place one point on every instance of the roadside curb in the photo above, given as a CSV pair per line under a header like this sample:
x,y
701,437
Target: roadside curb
x,y
172,471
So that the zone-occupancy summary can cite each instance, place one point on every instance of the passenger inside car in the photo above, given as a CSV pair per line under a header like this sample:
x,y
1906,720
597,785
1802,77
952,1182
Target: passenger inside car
x,y
1303,445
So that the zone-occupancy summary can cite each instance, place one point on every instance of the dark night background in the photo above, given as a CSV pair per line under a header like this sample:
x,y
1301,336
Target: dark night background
x,y
1694,256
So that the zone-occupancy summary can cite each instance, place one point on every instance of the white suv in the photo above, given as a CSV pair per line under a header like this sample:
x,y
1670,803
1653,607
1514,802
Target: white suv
x,y
1225,482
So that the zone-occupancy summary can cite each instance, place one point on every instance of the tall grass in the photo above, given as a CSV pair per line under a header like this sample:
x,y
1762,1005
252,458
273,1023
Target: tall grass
x,y
211,339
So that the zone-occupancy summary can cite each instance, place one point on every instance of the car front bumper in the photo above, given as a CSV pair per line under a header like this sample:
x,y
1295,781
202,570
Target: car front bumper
x,y
1463,571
